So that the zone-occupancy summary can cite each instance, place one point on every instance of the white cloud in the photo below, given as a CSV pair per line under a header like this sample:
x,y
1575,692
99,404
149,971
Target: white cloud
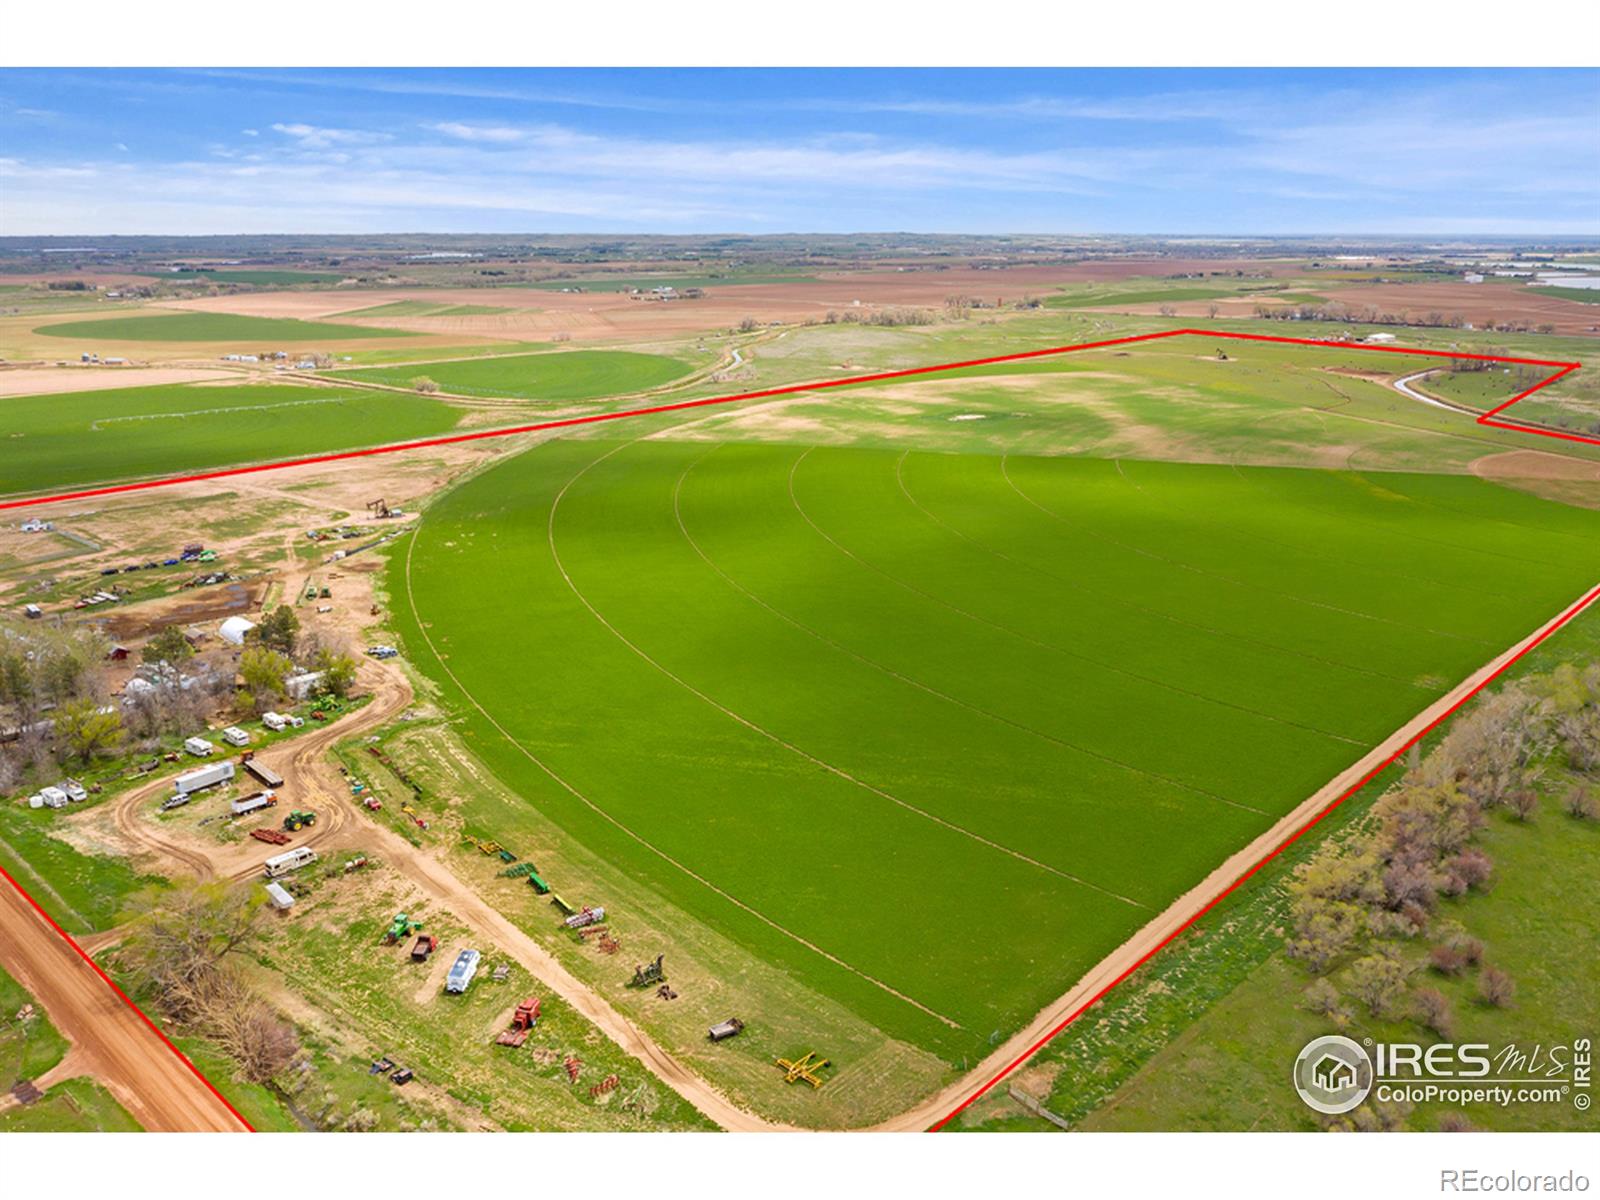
x,y
320,137
477,133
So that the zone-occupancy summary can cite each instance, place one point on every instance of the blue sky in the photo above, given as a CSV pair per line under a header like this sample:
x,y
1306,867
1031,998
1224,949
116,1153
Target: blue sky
x,y
1419,152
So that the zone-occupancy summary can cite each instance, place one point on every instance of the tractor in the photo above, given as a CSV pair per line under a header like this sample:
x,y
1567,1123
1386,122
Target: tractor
x,y
299,819
400,928
522,1022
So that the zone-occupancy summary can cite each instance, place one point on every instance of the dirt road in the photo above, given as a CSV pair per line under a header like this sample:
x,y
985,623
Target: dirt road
x,y
110,1040
1193,904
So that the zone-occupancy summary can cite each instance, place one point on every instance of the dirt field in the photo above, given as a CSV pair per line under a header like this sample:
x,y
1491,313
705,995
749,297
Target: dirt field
x,y
38,381
109,1040
1479,303
596,316
1553,476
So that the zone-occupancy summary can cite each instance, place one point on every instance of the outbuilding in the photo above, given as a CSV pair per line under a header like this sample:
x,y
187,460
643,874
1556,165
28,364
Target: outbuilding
x,y
233,630
280,897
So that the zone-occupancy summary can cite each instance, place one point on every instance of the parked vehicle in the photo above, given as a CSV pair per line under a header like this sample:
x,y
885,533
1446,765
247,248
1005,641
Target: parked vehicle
x,y
75,791
289,861
199,747
253,803
264,774
235,736
424,947
462,971
203,777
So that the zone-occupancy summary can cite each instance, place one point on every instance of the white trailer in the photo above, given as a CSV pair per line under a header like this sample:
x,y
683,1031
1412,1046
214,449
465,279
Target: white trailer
x,y
253,803
53,797
290,860
462,971
199,747
235,736
281,899
202,777
274,721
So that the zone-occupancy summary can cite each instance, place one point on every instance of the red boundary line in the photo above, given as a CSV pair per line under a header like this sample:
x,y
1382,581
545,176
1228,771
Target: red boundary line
x,y
111,983
1487,418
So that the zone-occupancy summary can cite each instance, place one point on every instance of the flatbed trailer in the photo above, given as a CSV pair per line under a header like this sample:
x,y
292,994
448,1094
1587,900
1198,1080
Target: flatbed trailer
x,y
265,774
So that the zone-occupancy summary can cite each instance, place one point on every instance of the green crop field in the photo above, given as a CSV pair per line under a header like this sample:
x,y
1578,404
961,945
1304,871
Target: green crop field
x,y
573,375
57,441
935,732
264,278
214,327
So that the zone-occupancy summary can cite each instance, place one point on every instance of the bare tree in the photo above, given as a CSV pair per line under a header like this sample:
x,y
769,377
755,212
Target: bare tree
x,y
1496,988
1434,1011
1581,803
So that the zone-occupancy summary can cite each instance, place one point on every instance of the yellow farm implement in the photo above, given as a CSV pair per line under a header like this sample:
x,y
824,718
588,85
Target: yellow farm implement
x,y
804,1068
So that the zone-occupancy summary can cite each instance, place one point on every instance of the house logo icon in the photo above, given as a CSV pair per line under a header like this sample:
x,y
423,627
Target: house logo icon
x,y
1333,1074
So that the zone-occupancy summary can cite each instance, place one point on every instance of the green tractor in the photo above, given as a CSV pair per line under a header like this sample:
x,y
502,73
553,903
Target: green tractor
x,y
401,928
299,819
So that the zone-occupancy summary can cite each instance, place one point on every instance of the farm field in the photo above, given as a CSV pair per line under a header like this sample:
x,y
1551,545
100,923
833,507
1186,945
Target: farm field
x,y
898,721
575,375
68,439
213,327
260,278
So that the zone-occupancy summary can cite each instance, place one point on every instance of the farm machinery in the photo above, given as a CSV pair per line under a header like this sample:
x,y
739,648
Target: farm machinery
x,y
400,928
649,974
272,836
526,870
806,1067
491,848
299,819
424,947
522,1023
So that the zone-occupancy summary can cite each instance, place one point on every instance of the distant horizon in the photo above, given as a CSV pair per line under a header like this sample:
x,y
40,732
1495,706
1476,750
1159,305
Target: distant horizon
x,y
1358,153
1417,239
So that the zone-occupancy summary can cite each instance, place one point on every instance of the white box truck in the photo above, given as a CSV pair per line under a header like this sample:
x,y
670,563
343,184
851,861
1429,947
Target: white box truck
x,y
289,861
199,747
235,736
203,777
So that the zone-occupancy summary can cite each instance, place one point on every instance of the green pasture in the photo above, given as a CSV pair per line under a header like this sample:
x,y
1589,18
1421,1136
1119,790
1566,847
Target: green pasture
x,y
214,327
571,375
63,440
933,731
